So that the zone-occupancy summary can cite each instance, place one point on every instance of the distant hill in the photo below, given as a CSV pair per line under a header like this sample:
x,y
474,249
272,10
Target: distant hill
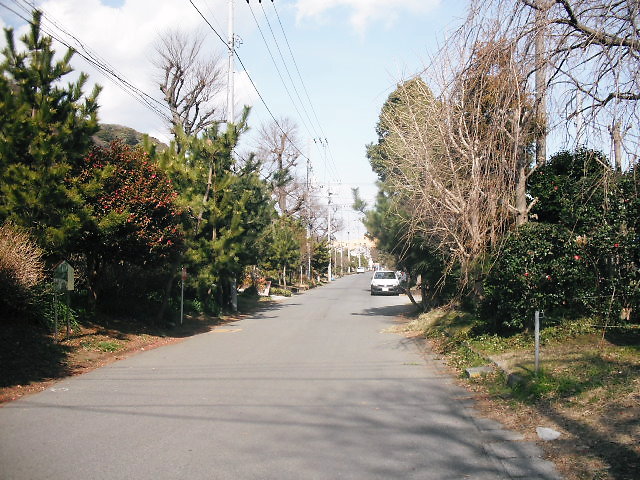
x,y
110,132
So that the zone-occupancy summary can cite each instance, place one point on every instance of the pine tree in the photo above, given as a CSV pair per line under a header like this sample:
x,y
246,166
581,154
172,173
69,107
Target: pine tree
x,y
228,207
45,131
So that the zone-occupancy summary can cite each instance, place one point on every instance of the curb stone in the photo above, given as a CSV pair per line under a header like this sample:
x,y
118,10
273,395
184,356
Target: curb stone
x,y
512,456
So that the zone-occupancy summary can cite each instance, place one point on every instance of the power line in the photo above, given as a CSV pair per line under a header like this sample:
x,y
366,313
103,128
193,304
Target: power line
x,y
49,24
275,64
288,72
235,53
304,85
297,69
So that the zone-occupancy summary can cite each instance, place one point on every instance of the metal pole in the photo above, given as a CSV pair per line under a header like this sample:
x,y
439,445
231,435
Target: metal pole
x,y
348,252
306,194
67,312
329,236
537,340
184,273
55,317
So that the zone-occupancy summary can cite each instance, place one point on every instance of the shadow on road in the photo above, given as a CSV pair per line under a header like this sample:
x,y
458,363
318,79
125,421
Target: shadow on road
x,y
387,311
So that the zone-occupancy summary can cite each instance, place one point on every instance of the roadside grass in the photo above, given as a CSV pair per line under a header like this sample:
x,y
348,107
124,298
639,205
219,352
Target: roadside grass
x,y
102,345
587,387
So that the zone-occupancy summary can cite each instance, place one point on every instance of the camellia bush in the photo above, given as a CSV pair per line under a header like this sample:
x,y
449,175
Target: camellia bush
x,y
582,255
538,267
132,228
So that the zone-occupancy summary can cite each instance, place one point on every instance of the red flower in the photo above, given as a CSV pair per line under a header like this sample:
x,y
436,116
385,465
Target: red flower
x,y
616,245
526,274
576,257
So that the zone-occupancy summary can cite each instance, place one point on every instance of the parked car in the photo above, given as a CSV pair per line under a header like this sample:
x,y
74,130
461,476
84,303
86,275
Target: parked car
x,y
385,282
360,270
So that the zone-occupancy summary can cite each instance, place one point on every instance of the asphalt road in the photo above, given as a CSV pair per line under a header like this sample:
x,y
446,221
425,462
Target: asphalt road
x,y
313,388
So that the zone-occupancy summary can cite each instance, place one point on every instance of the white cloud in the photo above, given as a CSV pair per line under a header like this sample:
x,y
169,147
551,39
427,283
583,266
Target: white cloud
x,y
124,38
364,12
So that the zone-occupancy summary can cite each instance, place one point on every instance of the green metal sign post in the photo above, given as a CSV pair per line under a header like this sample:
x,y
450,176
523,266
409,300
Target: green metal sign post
x,y
63,282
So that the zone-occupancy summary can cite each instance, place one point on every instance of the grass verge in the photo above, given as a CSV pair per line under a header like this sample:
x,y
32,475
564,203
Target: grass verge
x,y
588,388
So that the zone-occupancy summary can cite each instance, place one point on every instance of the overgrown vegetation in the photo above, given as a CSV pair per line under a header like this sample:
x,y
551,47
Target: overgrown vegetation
x,y
126,211
579,363
471,203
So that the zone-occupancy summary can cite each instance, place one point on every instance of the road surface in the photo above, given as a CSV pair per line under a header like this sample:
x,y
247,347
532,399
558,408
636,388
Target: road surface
x,y
313,388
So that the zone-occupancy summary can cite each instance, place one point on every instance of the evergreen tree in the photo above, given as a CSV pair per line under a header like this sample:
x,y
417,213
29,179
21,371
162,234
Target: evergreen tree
x,y
282,247
45,131
228,208
320,257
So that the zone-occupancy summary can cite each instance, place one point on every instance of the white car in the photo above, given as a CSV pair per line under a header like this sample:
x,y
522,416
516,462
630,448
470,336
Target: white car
x,y
385,282
360,270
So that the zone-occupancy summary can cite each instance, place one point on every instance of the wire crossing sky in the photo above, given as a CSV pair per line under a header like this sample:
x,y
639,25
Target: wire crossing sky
x,y
327,65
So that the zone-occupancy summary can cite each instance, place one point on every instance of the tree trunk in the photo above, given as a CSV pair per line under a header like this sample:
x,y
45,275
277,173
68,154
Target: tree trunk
x,y
423,294
284,277
419,307
205,197
522,212
166,294
93,273
616,137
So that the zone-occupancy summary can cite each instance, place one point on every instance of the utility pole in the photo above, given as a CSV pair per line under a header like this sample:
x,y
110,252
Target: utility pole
x,y
231,67
348,253
231,120
541,81
306,194
329,235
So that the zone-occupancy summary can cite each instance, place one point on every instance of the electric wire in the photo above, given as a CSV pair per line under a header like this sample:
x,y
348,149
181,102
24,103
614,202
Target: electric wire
x,y
106,69
50,28
236,55
320,143
293,84
295,63
304,87
275,64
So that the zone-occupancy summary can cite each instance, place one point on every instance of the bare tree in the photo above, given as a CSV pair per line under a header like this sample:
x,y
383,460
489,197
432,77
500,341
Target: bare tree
x,y
458,161
590,60
279,153
189,83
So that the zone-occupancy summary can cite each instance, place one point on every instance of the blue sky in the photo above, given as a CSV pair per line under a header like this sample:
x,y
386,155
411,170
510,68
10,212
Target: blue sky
x,y
350,53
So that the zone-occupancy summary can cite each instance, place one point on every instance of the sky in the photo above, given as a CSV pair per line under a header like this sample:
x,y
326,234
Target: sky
x,y
348,56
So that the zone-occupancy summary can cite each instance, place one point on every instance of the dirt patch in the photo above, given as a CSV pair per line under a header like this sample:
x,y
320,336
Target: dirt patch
x,y
31,361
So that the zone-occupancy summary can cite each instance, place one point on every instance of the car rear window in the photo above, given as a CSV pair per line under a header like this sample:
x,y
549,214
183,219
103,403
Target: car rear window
x,y
385,275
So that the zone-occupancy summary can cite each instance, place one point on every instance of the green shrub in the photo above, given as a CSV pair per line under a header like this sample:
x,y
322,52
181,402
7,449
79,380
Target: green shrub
x,y
55,311
280,291
582,193
583,256
539,267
